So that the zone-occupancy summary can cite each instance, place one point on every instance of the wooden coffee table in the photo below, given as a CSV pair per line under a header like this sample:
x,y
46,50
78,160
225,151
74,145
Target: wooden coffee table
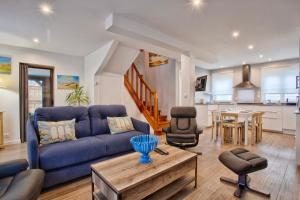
x,y
125,178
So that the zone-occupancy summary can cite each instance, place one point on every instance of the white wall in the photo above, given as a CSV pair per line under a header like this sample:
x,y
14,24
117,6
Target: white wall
x,y
9,97
95,63
187,81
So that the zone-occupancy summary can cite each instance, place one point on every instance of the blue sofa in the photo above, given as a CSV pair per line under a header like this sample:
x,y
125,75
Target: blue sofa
x,y
69,160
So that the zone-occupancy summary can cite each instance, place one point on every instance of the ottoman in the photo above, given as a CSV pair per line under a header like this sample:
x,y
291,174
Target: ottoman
x,y
242,162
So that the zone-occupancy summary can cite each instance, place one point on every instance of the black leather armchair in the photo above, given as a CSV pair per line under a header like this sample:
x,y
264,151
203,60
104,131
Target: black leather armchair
x,y
183,131
16,182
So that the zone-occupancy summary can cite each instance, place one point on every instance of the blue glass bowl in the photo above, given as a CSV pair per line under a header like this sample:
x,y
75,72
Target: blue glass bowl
x,y
144,144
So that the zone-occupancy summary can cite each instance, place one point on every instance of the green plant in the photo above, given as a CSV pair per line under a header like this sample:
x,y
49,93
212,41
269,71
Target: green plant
x,y
77,97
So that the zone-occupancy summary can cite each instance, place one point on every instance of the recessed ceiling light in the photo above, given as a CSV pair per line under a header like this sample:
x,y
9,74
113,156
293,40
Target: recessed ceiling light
x,y
235,34
244,63
36,40
270,59
261,56
196,3
250,46
46,9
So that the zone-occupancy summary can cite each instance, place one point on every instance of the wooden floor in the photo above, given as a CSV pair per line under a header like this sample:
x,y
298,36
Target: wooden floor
x,y
281,178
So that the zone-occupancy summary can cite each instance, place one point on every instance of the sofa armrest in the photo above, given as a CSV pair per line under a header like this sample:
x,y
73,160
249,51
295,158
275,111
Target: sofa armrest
x,y
199,131
32,146
11,168
141,126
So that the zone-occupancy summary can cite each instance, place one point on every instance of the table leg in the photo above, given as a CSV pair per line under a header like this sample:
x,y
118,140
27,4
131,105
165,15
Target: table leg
x,y
196,172
246,131
93,189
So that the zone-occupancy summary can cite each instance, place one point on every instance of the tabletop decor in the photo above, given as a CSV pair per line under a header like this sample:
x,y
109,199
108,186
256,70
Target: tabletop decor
x,y
144,144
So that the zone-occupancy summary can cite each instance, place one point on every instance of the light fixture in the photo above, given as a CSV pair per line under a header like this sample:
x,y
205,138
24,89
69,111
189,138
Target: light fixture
x,y
250,46
221,66
244,63
196,3
261,56
270,59
235,34
36,40
46,9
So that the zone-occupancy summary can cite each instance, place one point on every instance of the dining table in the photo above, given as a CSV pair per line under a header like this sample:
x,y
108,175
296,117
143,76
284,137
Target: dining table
x,y
242,114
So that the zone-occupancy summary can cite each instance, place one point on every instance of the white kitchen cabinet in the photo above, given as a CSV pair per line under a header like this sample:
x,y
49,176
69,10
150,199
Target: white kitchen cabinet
x,y
202,118
272,119
289,117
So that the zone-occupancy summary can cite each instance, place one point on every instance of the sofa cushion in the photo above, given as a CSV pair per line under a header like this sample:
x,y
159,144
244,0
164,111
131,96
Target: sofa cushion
x,y
58,155
53,132
119,124
80,114
119,142
98,116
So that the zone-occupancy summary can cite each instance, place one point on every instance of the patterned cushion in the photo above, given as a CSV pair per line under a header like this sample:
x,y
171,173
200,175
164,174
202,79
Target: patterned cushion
x,y
119,124
52,132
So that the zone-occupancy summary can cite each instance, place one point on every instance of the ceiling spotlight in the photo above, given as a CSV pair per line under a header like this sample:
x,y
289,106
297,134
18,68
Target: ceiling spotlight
x,y
46,9
36,40
244,63
261,56
270,59
235,34
250,47
197,3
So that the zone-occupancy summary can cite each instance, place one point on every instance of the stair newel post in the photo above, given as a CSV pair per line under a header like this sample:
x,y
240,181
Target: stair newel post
x,y
132,74
151,105
137,84
141,88
156,115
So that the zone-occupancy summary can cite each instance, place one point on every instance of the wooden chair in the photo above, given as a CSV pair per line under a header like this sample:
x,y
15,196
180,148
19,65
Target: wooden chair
x,y
256,127
216,123
231,129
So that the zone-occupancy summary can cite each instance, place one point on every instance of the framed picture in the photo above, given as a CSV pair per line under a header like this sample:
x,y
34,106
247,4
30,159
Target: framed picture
x,y
66,82
201,83
5,65
157,60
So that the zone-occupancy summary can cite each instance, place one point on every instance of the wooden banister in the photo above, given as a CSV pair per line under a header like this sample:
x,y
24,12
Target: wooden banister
x,y
145,97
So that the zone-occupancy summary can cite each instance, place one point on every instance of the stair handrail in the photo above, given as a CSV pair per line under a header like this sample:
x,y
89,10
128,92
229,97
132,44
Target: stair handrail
x,y
140,90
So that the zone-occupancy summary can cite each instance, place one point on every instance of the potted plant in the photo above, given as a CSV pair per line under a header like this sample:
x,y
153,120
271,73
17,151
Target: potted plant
x,y
77,97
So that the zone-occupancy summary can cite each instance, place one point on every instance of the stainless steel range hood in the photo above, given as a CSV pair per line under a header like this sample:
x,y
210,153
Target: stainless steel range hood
x,y
246,84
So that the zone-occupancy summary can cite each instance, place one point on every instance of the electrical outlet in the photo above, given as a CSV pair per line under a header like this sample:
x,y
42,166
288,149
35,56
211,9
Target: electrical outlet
x,y
6,135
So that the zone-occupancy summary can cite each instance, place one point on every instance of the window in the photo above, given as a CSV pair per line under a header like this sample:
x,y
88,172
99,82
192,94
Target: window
x,y
279,84
222,84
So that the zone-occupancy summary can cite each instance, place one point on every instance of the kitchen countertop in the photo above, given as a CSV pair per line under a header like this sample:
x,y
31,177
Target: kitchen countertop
x,y
253,104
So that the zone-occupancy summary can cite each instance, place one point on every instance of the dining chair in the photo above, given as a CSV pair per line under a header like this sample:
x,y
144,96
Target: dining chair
x,y
256,127
232,129
216,124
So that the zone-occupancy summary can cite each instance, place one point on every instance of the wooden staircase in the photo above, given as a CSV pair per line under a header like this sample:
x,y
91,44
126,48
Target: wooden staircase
x,y
145,98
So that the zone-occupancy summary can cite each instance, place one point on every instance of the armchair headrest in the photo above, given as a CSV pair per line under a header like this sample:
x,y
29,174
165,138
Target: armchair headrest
x,y
183,112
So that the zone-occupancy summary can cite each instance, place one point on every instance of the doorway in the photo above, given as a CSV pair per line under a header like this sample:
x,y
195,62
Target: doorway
x,y
36,90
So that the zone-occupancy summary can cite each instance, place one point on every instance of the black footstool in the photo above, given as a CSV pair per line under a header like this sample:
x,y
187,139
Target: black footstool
x,y
242,162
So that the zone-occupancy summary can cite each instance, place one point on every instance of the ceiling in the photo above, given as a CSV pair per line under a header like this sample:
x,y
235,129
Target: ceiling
x,y
77,27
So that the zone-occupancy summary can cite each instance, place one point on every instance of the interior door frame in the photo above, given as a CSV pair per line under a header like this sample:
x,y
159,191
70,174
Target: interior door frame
x,y
23,91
